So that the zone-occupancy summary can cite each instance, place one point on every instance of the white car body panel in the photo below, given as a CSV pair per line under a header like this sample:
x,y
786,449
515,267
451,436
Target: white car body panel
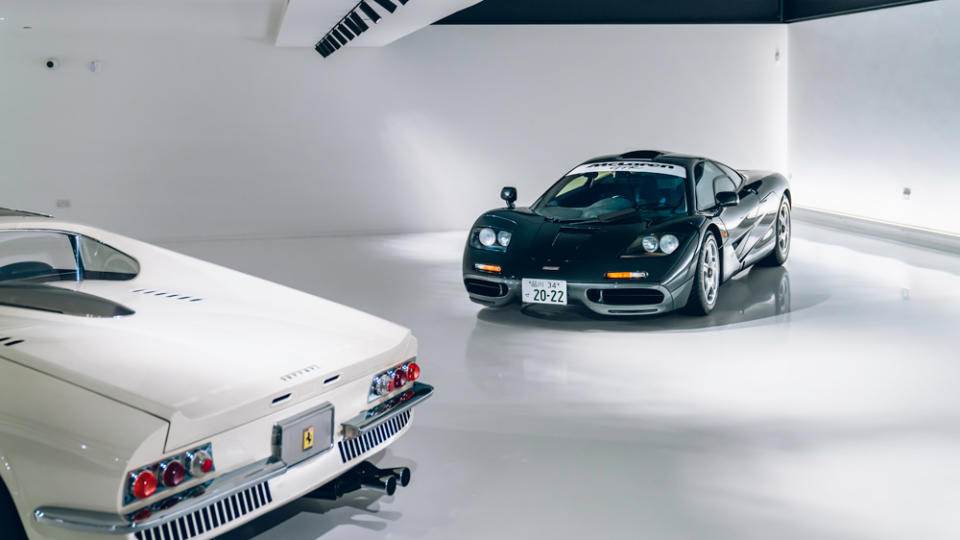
x,y
176,374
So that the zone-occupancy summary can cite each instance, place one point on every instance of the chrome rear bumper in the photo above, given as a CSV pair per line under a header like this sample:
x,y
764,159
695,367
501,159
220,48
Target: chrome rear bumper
x,y
226,498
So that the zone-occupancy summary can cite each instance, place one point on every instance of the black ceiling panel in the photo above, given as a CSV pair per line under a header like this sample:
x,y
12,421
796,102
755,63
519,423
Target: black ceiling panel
x,y
659,11
617,12
799,10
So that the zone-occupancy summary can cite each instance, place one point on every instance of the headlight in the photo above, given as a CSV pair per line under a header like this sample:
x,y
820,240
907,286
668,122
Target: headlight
x,y
487,237
504,238
650,243
668,243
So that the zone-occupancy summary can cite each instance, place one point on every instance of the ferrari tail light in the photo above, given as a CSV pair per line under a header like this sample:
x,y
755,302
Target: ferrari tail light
x,y
144,484
383,384
393,379
413,371
199,462
172,473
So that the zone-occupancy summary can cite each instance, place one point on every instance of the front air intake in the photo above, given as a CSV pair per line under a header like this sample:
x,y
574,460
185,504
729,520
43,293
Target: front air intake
x,y
485,288
625,297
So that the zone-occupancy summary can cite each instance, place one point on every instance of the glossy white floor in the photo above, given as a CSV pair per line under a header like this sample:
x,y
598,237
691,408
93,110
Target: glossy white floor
x,y
819,401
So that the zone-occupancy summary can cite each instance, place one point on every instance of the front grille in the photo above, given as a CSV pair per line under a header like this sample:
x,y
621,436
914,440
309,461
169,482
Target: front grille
x,y
625,297
485,288
212,516
356,447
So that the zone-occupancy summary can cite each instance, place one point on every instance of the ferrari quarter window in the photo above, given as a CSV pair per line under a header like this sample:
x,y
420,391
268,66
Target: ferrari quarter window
x,y
101,261
599,191
36,256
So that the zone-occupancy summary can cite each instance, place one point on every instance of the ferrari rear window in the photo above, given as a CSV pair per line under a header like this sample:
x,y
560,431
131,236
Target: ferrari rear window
x,y
43,256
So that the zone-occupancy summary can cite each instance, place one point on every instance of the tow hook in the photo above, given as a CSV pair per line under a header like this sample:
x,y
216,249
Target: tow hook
x,y
365,475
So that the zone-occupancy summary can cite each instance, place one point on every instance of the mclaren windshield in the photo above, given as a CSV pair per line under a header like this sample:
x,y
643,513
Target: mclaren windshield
x,y
615,190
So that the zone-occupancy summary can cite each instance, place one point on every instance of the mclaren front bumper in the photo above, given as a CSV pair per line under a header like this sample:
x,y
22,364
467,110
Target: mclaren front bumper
x,y
603,297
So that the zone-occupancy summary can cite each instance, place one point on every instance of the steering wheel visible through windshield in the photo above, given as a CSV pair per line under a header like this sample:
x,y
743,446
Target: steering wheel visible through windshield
x,y
599,191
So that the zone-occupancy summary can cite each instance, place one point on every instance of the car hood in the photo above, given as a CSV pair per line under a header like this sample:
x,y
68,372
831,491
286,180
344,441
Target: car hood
x,y
549,241
214,359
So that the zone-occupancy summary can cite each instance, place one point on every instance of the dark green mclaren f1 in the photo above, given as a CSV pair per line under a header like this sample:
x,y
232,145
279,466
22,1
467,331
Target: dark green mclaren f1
x,y
637,233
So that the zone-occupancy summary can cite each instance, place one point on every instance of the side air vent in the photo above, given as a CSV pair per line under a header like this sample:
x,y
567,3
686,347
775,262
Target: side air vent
x,y
485,288
211,517
9,341
625,297
166,294
642,154
353,448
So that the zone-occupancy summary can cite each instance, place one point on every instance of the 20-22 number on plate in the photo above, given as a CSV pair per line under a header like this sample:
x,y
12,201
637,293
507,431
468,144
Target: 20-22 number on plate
x,y
544,291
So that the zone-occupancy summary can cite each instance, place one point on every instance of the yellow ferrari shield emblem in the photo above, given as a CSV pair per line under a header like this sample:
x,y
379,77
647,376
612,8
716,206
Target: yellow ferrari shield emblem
x,y
307,438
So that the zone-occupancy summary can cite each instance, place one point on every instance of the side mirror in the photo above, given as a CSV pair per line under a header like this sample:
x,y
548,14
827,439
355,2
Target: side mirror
x,y
728,198
509,194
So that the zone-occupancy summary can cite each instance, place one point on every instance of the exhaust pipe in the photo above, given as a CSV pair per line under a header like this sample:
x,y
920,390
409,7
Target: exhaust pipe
x,y
402,474
364,475
385,484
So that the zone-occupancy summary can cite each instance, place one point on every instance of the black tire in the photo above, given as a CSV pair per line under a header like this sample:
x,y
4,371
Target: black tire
x,y
782,233
10,526
704,298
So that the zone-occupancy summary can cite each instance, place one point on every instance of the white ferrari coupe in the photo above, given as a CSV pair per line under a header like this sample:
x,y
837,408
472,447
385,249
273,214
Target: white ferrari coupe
x,y
151,395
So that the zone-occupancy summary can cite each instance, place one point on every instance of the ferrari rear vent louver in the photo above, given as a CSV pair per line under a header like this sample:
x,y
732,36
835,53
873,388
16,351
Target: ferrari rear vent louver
x,y
166,294
9,341
356,447
211,517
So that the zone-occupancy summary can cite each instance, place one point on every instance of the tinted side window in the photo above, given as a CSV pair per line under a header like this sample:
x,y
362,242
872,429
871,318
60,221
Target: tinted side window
x,y
36,256
705,185
101,261
732,174
722,183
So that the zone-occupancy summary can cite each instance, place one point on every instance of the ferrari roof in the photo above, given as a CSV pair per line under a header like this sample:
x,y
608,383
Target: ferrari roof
x,y
10,212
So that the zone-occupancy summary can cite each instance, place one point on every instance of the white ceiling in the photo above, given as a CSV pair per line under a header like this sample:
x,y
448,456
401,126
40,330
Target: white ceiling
x,y
306,21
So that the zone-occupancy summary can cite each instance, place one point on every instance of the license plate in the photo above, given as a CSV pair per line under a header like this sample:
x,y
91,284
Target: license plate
x,y
304,436
544,291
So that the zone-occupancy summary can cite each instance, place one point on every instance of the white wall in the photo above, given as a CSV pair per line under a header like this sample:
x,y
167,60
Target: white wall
x,y
186,135
874,106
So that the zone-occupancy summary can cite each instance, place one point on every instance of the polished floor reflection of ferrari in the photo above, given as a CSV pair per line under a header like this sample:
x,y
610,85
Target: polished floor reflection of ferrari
x,y
637,233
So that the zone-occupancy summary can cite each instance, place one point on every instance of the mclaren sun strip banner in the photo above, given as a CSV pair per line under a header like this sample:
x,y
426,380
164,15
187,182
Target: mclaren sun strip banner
x,y
635,166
